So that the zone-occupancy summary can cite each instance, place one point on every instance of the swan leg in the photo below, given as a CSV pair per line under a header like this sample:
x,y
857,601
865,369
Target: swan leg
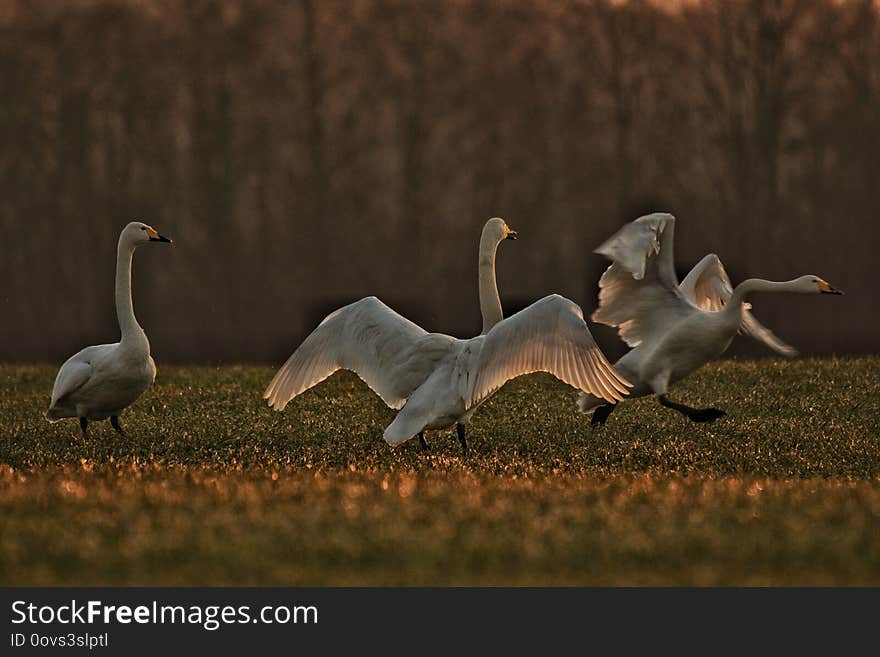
x,y
601,414
114,421
693,414
84,425
422,441
459,427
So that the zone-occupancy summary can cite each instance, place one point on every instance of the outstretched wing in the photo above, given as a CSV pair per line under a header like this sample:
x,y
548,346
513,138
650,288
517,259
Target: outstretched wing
x,y
708,286
548,336
390,353
755,329
639,292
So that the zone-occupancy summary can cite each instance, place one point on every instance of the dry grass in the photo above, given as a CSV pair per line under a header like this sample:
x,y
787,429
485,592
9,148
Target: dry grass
x,y
210,487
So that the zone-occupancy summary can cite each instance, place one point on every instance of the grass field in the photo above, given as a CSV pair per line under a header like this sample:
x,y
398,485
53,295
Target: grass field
x,y
211,487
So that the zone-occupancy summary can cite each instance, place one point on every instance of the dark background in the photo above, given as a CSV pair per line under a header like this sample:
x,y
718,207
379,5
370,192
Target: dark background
x,y
306,153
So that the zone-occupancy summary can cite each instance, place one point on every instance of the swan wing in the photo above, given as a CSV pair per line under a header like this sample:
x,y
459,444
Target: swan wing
x,y
548,336
639,292
73,375
708,286
644,247
755,329
390,353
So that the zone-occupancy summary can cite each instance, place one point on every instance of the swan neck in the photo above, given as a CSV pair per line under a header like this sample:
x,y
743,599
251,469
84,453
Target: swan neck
x,y
124,310
490,302
748,286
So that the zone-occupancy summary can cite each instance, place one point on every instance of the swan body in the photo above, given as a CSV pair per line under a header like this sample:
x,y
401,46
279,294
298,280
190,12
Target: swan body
x,y
676,328
676,355
436,380
102,380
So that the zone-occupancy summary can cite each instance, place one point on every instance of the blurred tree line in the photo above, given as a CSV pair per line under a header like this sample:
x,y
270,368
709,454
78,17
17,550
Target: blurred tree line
x,y
306,153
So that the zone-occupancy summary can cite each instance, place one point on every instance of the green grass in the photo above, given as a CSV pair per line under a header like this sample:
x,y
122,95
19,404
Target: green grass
x,y
211,487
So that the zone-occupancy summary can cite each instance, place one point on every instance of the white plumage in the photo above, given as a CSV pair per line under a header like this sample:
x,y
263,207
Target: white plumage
x,y
674,328
102,380
437,380
387,351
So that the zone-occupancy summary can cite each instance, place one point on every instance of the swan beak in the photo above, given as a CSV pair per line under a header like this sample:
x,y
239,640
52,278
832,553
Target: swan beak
x,y
511,235
156,237
826,288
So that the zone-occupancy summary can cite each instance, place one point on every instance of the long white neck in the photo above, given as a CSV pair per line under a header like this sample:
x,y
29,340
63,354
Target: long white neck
x,y
128,325
751,285
490,302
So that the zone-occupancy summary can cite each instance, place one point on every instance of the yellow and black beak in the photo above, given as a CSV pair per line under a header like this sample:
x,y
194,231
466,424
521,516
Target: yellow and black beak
x,y
826,288
511,235
156,237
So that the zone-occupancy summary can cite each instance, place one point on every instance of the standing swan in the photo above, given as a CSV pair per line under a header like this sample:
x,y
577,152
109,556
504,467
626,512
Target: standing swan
x,y
102,380
675,329
437,380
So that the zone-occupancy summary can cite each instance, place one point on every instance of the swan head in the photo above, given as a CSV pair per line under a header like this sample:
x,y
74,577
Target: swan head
x,y
497,229
812,284
137,233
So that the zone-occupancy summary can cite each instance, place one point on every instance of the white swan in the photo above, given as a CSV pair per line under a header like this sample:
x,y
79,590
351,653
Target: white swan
x,y
675,329
100,381
495,231
437,380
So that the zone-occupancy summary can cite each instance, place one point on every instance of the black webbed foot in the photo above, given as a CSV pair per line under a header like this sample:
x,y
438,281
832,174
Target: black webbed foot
x,y
601,414
706,414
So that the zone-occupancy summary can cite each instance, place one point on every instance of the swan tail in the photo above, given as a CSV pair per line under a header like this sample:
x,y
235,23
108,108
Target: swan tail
x,y
402,429
55,414
413,417
587,403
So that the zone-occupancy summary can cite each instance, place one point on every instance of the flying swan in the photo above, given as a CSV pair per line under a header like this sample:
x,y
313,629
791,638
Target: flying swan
x,y
674,329
101,381
436,380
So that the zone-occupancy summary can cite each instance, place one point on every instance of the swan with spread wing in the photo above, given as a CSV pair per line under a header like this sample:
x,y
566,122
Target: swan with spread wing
x,y
674,329
436,380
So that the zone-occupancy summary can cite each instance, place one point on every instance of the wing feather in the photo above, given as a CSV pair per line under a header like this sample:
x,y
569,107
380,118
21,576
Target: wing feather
x,y
639,292
548,336
71,377
598,377
390,353
708,286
